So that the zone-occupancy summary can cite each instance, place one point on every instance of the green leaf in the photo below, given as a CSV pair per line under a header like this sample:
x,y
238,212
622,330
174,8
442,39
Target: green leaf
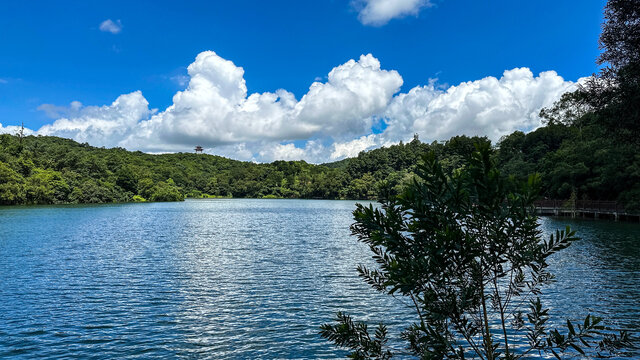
x,y
577,348
571,329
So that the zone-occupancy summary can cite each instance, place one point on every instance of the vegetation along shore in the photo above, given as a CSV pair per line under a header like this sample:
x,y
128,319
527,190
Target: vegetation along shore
x,y
574,159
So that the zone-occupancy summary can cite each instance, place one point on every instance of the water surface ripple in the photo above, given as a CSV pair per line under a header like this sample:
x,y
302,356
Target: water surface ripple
x,y
234,279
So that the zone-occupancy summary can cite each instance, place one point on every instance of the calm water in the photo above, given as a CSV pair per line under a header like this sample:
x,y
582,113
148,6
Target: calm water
x,y
236,279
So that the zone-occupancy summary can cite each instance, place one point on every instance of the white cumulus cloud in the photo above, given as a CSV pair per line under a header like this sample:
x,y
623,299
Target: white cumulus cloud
x,y
352,148
100,125
216,110
15,129
379,12
489,107
333,120
111,26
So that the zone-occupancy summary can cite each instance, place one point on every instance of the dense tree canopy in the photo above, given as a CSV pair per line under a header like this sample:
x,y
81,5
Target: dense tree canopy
x,y
50,170
570,159
599,158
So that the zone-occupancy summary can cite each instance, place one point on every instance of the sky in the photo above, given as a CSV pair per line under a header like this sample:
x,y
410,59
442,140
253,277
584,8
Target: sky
x,y
288,80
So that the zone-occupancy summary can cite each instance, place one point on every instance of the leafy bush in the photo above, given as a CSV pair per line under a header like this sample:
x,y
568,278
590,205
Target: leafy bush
x,y
465,250
165,191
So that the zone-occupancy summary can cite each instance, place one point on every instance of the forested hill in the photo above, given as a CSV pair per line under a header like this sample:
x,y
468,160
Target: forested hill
x,y
51,170
572,161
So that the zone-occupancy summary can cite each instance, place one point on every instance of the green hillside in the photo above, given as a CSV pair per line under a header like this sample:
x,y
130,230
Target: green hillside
x,y
572,161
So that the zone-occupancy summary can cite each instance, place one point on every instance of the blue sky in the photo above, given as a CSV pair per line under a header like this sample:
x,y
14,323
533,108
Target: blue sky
x,y
55,53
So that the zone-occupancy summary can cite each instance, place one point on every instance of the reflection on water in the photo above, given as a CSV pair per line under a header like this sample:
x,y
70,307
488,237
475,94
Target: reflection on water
x,y
234,279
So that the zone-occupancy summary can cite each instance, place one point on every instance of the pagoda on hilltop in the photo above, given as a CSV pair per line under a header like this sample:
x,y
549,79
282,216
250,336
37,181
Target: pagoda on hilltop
x,y
198,149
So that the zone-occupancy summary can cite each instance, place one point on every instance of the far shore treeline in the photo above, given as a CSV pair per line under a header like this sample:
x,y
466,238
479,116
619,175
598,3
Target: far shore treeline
x,y
575,160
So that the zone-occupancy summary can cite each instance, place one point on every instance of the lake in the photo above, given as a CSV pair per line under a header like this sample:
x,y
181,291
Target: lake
x,y
236,279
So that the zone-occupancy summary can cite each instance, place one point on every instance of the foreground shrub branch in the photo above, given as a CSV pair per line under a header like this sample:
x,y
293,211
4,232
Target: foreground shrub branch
x,y
467,251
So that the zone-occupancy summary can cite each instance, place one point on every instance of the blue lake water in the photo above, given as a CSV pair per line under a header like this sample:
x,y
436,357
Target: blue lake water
x,y
236,279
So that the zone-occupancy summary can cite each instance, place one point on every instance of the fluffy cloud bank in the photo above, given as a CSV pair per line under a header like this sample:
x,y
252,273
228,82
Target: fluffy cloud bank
x,y
99,125
333,120
379,12
216,110
489,107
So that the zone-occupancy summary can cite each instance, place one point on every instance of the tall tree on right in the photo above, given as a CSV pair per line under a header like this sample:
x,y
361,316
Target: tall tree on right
x,y
614,94
620,37
604,115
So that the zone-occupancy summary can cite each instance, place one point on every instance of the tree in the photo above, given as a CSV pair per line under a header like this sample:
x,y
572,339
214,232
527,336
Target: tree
x,y
11,186
465,249
620,37
597,127
614,94
166,191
